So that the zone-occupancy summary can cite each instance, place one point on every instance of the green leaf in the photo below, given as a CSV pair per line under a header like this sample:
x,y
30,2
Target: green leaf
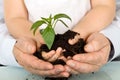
x,y
48,33
41,31
48,36
36,25
57,16
63,23
47,20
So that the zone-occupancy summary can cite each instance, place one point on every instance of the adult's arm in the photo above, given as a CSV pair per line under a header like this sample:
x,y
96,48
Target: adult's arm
x,y
112,32
17,20
97,18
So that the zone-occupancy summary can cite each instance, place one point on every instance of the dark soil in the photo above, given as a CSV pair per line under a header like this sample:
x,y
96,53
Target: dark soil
x,y
61,40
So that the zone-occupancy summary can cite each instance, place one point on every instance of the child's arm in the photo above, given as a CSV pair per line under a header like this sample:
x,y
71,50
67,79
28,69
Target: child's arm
x,y
100,16
16,18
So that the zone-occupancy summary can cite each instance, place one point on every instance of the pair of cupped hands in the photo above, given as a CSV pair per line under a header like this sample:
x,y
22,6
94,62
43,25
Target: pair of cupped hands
x,y
97,52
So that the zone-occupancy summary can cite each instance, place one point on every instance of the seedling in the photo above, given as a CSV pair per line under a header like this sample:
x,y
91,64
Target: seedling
x,y
48,33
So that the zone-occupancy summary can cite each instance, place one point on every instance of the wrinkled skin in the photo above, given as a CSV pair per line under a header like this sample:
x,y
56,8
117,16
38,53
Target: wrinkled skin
x,y
95,57
97,53
23,52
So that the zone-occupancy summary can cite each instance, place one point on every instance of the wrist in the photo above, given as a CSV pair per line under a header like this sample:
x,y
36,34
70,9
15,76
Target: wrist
x,y
38,39
83,33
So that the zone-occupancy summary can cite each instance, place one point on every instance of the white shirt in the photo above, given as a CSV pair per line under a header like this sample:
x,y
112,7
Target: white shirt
x,y
76,9
6,47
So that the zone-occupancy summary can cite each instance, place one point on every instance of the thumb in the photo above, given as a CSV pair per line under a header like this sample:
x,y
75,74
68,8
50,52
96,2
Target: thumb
x,y
95,42
26,45
89,47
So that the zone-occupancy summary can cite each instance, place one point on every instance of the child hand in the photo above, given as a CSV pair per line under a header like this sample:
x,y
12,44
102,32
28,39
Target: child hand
x,y
52,55
75,40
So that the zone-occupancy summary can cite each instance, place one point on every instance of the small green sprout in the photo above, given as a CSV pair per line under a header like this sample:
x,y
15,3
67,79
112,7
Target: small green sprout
x,y
48,33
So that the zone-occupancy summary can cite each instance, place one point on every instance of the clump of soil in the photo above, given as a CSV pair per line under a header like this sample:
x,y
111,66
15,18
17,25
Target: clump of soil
x,y
61,40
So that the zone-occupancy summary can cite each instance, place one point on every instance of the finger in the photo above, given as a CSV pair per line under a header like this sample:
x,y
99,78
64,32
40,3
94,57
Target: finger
x,y
70,70
38,38
95,42
60,71
27,60
26,45
54,72
73,41
62,74
83,67
99,57
48,55
57,54
91,58
40,72
37,63
63,58
92,36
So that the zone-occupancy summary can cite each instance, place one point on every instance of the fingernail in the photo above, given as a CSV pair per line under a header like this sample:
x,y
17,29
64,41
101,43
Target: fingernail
x,y
59,48
59,70
71,42
89,48
68,69
52,51
71,64
50,67
66,74
76,58
29,48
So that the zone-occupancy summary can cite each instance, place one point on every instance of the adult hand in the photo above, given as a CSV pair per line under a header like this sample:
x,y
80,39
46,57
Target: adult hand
x,y
23,52
97,53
